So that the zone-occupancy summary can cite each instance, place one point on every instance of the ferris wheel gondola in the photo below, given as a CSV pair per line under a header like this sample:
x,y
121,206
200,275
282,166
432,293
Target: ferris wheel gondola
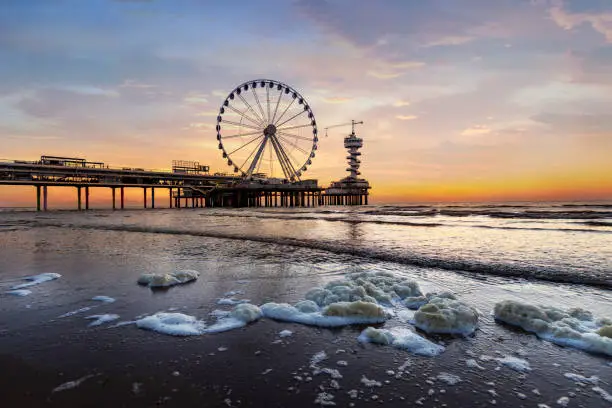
x,y
266,128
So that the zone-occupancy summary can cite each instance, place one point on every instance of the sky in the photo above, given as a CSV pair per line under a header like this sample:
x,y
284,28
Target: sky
x,y
462,100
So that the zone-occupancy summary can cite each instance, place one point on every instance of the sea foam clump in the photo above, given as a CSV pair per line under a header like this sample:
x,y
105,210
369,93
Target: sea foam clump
x,y
447,316
401,338
372,287
574,328
101,319
179,324
165,280
37,279
242,315
334,315
19,292
174,324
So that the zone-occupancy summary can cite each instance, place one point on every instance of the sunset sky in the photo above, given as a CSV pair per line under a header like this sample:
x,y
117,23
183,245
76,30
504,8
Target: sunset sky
x,y
461,99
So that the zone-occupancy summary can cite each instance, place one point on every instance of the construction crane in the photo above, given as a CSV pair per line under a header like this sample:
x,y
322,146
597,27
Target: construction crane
x,y
353,123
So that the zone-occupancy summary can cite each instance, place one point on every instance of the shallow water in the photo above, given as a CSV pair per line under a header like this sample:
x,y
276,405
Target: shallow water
x,y
278,254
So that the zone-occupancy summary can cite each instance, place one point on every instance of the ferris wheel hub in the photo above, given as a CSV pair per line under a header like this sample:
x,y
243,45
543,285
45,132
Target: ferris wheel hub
x,y
270,130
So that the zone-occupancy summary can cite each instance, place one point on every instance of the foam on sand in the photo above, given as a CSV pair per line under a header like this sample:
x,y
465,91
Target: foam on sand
x,y
73,312
285,333
603,393
580,379
334,315
37,279
19,292
179,324
574,328
448,378
446,315
104,299
515,363
174,324
165,280
401,338
101,319
242,315
231,301
72,384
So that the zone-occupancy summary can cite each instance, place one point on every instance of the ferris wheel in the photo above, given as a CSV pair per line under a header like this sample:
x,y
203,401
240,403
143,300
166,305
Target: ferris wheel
x,y
266,128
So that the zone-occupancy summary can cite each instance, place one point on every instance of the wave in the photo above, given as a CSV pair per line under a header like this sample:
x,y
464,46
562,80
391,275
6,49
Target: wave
x,y
457,265
598,223
519,214
587,205
412,224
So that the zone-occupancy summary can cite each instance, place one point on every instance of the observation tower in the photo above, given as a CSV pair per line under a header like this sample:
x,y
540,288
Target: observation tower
x,y
351,190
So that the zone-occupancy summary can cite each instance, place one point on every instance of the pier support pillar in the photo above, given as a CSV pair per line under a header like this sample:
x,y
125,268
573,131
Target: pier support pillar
x,y
44,198
87,197
79,206
144,190
114,195
152,197
37,198
170,196
122,198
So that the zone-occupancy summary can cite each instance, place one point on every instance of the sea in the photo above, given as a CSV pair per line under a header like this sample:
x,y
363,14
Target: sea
x,y
555,254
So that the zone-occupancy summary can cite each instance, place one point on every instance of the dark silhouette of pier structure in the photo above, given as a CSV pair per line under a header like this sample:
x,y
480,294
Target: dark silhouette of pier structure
x,y
189,184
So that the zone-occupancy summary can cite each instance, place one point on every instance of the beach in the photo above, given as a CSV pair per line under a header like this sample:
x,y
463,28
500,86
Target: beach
x,y
554,254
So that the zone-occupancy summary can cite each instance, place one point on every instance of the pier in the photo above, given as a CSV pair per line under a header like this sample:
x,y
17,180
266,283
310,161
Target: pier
x,y
189,185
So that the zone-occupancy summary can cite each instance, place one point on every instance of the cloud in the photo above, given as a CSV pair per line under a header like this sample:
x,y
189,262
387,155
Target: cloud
x,y
336,99
600,22
406,117
476,130
406,64
208,113
88,90
385,75
390,70
131,83
199,126
399,103
450,40
195,99
577,122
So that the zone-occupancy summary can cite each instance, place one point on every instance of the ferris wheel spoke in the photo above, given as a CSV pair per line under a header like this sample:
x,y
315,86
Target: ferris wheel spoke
x,y
280,94
292,161
250,108
268,101
290,119
261,159
250,155
259,132
284,167
285,111
257,157
263,115
308,139
271,163
293,144
244,115
242,125
293,127
286,157
245,145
